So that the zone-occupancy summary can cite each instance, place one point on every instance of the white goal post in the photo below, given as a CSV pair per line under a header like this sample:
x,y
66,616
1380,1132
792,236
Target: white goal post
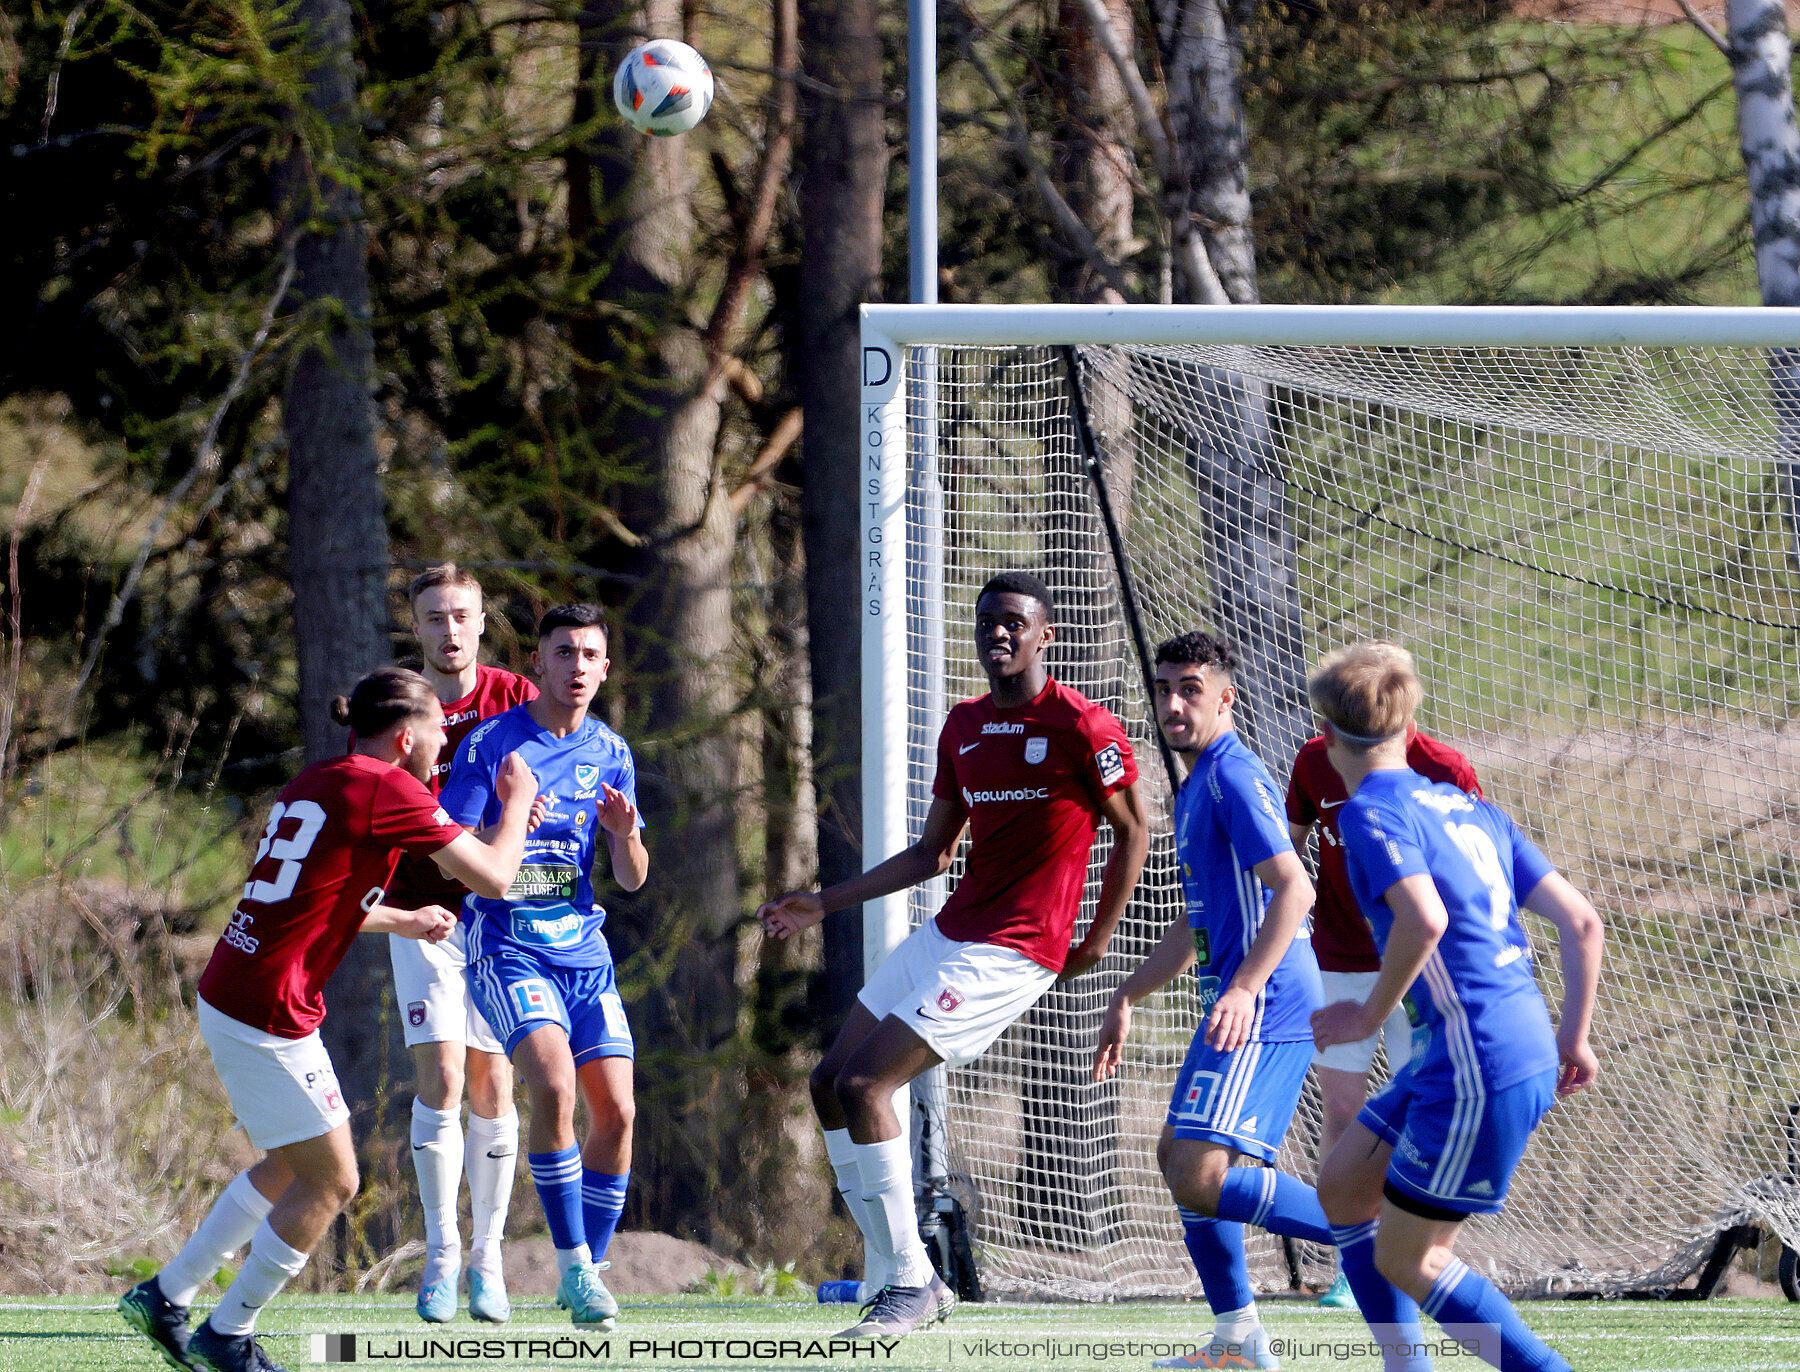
x,y
1585,522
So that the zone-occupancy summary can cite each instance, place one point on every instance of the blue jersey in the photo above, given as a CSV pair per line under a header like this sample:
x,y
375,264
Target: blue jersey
x,y
1228,818
1476,996
550,909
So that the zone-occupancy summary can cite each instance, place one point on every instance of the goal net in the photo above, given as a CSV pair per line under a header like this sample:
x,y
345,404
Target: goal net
x,y
1592,551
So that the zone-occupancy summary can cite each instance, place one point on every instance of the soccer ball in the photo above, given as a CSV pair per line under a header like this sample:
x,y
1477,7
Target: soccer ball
x,y
663,87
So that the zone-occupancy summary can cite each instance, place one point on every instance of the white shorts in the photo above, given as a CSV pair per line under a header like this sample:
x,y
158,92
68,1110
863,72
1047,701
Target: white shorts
x,y
1360,1056
282,1090
431,984
958,997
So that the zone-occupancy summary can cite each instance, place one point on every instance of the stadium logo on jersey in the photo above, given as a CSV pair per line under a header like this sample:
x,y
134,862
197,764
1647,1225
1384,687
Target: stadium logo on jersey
x,y
1003,728
948,1000
415,1013
1036,750
1111,763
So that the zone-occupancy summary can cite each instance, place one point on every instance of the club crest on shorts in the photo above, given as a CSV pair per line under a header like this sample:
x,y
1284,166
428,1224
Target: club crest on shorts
x,y
415,1013
948,999
1036,750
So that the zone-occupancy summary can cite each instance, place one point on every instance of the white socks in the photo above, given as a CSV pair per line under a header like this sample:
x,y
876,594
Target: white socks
x,y
271,1265
887,1183
1234,1326
491,1162
842,1153
568,1257
226,1228
437,1154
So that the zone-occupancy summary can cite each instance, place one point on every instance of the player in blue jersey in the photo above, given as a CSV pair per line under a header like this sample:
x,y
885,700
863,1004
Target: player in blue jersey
x,y
1247,898
540,970
1440,876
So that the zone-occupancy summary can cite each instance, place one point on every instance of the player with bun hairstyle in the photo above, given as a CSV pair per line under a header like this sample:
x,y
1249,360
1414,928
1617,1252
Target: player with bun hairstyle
x,y
318,879
1031,768
1441,876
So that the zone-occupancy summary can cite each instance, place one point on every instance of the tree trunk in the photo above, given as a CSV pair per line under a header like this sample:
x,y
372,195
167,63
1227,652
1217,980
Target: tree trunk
x,y
631,212
1250,554
843,170
1094,154
338,548
1762,58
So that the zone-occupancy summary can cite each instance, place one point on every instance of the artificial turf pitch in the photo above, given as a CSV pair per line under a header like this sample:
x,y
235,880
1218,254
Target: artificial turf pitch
x,y
85,1334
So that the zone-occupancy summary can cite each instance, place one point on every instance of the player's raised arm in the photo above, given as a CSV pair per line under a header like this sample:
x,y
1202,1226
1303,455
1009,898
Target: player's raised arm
x,y
618,816
1124,811
1172,956
930,856
1580,932
487,865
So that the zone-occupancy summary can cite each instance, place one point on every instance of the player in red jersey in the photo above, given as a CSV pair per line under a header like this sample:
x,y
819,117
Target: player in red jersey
x,y
446,1034
1031,768
1348,962
318,879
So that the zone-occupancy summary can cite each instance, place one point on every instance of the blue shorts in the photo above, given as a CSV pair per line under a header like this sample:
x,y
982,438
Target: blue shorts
x,y
1457,1154
518,993
1244,1100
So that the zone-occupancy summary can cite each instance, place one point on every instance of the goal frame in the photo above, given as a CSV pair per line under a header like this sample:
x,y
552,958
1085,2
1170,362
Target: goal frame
x,y
890,457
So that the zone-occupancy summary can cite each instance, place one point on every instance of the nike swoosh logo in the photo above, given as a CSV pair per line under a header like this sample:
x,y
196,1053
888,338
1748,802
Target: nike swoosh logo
x,y
418,1146
920,1012
965,748
1330,804
502,1155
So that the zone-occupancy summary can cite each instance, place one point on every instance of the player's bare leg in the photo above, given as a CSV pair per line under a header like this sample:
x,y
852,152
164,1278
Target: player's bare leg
x,y
1341,1095
888,1057
491,1161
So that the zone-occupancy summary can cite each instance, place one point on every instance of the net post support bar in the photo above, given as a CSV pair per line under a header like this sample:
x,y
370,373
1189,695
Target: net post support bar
x,y
881,580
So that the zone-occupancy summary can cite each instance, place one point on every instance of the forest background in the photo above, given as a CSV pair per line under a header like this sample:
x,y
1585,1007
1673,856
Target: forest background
x,y
296,299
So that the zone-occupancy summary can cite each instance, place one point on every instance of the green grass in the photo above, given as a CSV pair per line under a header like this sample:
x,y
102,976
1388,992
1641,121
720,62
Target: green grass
x,y
84,1334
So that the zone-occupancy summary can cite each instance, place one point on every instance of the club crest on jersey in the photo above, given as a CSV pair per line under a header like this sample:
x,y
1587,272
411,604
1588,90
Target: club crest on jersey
x,y
587,777
415,1013
1036,750
948,1000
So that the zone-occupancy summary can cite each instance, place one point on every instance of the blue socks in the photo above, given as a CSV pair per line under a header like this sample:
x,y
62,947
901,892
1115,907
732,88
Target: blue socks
x,y
1460,1298
1392,1314
1273,1200
602,1202
557,1177
1217,1248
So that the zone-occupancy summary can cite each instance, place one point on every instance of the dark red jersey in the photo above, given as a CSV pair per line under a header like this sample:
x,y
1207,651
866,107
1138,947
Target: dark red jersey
x,y
325,858
1031,781
1340,938
419,881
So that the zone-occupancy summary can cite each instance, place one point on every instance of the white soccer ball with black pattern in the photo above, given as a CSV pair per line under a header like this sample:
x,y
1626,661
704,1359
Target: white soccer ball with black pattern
x,y
663,87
